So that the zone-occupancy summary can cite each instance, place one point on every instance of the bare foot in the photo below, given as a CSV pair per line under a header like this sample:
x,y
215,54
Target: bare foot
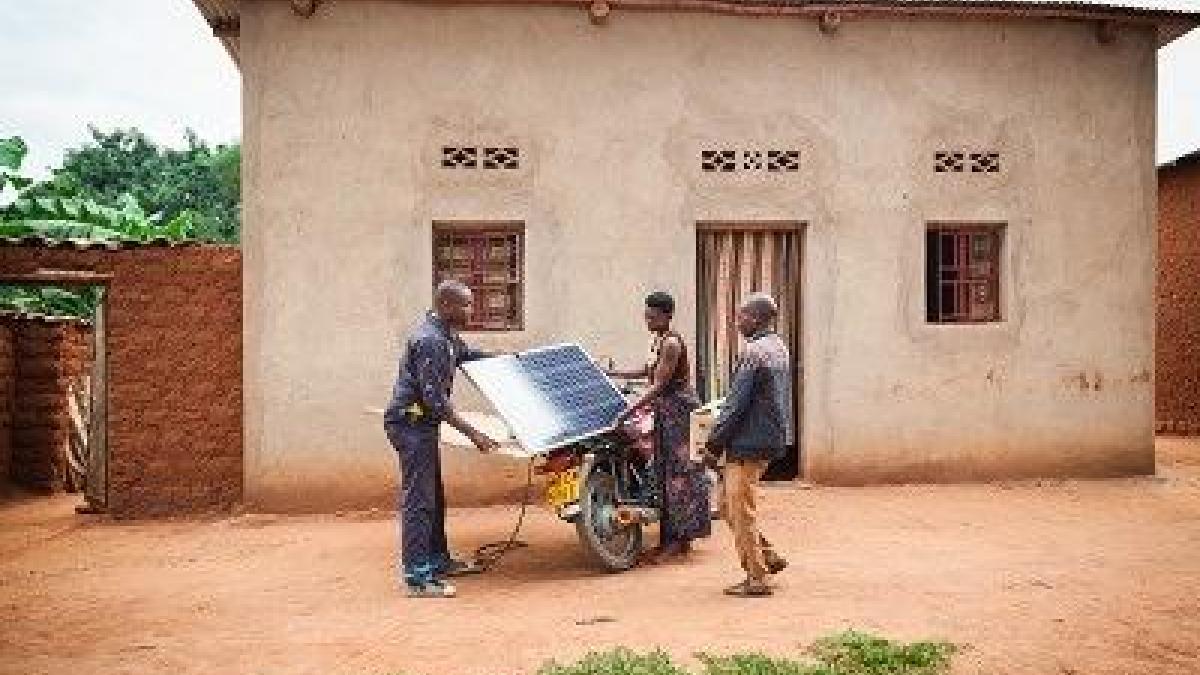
x,y
651,556
675,551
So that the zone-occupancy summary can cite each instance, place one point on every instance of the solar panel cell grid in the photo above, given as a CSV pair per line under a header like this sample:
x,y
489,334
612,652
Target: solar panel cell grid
x,y
549,397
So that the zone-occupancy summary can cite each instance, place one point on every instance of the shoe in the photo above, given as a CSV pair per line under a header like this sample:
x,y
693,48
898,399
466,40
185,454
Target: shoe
x,y
432,589
776,563
750,588
460,568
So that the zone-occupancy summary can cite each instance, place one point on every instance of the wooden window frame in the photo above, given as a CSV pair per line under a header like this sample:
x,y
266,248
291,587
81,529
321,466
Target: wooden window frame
x,y
963,282
478,234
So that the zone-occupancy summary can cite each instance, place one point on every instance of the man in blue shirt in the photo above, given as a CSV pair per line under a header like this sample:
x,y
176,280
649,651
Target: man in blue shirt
x,y
420,403
754,428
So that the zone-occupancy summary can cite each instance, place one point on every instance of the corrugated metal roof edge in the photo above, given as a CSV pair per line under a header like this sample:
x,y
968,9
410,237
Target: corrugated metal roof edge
x,y
14,315
109,245
230,16
1074,5
225,21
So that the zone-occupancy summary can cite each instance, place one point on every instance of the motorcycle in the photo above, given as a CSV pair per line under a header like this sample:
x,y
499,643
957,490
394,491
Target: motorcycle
x,y
605,486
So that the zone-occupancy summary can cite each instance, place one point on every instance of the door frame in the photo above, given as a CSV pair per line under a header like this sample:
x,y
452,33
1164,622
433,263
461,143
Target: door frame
x,y
796,345
96,490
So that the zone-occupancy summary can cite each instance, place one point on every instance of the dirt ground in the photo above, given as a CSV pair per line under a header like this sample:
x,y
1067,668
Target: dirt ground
x,y
1085,578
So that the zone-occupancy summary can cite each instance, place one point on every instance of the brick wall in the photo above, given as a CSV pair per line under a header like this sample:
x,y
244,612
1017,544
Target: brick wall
x,y
8,383
1177,388
174,339
48,356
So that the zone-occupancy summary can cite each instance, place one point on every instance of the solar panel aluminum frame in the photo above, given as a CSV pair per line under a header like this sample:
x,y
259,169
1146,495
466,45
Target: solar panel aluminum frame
x,y
477,373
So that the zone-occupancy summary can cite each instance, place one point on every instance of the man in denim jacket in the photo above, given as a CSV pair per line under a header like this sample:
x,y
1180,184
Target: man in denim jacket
x,y
420,403
754,428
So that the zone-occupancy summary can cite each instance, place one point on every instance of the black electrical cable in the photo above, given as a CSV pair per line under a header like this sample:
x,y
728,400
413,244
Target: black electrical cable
x,y
489,555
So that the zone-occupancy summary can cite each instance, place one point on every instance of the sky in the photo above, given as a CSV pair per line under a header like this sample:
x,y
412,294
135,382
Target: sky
x,y
154,64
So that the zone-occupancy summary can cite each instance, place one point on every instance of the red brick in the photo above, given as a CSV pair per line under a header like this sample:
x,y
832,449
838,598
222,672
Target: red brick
x,y
1177,377
174,346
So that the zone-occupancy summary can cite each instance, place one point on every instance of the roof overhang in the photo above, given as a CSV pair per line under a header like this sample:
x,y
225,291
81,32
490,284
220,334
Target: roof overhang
x,y
224,18
1173,18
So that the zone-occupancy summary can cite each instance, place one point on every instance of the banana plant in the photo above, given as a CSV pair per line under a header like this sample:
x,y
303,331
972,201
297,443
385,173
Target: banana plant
x,y
65,216
50,300
70,217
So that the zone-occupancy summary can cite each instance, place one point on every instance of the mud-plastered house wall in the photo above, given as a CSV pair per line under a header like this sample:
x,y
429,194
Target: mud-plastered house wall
x,y
49,357
8,383
172,336
1177,387
612,123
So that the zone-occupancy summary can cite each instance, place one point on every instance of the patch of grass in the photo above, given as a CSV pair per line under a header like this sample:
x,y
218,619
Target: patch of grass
x,y
757,664
620,661
854,653
849,653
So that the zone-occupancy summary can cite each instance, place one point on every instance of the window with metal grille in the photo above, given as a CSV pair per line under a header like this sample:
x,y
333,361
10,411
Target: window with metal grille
x,y
962,273
490,259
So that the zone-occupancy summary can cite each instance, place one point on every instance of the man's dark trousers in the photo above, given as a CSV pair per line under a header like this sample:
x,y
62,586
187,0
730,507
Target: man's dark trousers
x,y
423,551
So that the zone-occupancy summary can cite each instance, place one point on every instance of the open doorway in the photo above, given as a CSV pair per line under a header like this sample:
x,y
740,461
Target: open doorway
x,y
734,259
55,383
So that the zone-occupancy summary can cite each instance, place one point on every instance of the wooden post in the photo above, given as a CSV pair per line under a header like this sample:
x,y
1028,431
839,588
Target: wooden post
x,y
598,11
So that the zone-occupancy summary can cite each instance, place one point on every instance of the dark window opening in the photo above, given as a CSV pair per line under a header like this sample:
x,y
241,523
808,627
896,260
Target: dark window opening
x,y
962,273
489,258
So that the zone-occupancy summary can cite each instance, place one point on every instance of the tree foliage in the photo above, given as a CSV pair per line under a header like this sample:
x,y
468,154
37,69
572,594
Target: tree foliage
x,y
61,209
121,187
201,180
50,300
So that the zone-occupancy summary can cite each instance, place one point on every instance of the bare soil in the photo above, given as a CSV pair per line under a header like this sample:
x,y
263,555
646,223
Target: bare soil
x,y
1062,577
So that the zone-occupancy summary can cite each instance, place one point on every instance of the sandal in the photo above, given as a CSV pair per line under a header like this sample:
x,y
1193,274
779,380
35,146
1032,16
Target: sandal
x,y
749,589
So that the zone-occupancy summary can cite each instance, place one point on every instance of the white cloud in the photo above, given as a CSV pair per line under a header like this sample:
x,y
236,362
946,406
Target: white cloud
x,y
152,64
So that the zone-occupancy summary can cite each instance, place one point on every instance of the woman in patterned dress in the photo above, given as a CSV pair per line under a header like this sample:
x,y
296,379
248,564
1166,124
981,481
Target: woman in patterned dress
x,y
683,486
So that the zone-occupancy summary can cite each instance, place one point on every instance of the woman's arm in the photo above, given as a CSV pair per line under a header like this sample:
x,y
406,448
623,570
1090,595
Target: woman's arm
x,y
670,353
642,372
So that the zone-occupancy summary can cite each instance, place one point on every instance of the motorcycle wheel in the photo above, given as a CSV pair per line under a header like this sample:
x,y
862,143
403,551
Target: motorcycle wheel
x,y
612,546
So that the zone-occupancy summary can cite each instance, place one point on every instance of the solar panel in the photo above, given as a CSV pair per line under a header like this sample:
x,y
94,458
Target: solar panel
x,y
549,397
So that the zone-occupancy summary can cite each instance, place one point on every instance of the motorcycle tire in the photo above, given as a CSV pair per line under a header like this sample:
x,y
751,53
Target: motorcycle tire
x,y
613,548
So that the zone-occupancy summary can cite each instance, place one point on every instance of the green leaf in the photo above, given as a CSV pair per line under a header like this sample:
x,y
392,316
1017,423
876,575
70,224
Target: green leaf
x,y
16,230
12,152
71,208
124,183
18,182
182,226
51,300
23,208
46,206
